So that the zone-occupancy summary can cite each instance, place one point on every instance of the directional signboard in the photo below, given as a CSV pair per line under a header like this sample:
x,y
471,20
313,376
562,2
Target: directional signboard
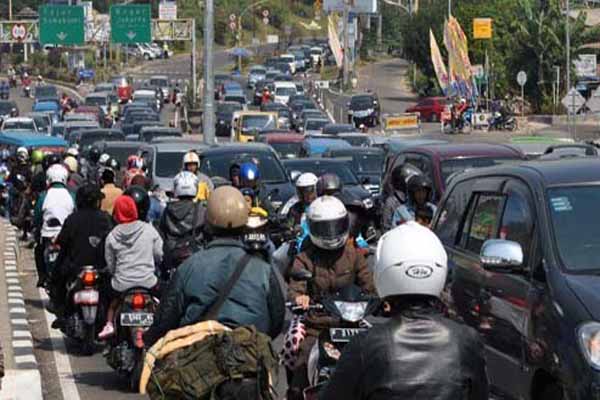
x,y
593,102
130,23
61,25
573,101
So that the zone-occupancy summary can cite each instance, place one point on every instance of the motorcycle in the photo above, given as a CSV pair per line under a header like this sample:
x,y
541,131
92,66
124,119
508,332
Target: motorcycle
x,y
26,91
125,352
500,121
350,307
84,310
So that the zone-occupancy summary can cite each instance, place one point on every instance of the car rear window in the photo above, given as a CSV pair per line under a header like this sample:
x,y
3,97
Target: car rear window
x,y
458,165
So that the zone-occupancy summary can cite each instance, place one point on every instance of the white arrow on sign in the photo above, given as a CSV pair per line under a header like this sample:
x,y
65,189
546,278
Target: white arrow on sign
x,y
573,101
61,36
131,35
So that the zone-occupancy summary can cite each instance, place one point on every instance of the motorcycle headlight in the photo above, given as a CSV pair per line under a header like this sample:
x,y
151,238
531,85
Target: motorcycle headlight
x,y
367,203
589,341
351,311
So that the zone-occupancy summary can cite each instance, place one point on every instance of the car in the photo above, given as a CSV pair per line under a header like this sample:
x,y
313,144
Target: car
x,y
283,113
216,161
357,139
430,108
73,126
396,144
143,51
151,133
300,60
257,73
290,59
334,129
119,150
283,67
365,162
287,145
92,111
300,88
439,162
58,129
522,243
241,99
4,89
233,88
224,115
19,124
164,160
51,107
85,138
105,87
124,88
283,91
99,99
6,107
316,54
161,82
43,121
247,125
271,74
364,109
45,92
313,126
150,96
535,146
306,114
297,106
317,146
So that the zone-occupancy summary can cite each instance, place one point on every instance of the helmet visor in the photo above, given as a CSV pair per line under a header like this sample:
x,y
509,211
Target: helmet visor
x,y
329,230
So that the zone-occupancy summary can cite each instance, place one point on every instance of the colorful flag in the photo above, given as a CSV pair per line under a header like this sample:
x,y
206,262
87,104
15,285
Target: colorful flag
x,y
455,41
438,63
334,42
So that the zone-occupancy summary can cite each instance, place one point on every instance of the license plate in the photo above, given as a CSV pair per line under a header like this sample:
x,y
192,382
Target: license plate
x,y
89,297
137,319
344,334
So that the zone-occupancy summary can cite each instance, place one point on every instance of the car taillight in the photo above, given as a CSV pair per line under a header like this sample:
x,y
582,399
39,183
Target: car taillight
x,y
138,301
89,278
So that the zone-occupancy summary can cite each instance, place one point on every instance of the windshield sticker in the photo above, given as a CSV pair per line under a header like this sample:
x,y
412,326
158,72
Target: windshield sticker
x,y
560,204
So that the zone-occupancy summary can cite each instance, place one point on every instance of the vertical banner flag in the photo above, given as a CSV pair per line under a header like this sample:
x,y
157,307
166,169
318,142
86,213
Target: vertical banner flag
x,y
438,63
334,42
455,41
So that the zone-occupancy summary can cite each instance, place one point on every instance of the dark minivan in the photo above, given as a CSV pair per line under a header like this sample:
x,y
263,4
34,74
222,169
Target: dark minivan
x,y
523,243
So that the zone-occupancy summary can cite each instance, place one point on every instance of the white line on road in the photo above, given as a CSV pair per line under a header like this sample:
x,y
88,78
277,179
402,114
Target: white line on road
x,y
61,357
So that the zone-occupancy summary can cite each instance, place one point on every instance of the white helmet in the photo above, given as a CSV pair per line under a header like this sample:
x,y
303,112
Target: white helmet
x,y
307,179
57,173
185,184
191,158
71,163
328,223
410,260
104,159
73,152
22,152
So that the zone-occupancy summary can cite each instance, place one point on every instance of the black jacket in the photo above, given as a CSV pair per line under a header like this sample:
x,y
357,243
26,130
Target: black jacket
x,y
418,355
81,239
256,299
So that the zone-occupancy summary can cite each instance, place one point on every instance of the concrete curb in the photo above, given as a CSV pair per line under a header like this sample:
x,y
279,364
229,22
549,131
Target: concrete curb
x,y
24,382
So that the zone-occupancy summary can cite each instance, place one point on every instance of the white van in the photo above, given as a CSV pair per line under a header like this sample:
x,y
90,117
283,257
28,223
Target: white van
x,y
291,60
283,91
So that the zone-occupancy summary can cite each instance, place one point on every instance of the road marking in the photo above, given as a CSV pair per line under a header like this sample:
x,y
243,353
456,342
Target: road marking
x,y
15,295
18,321
61,357
22,334
16,301
12,280
22,343
29,358
17,310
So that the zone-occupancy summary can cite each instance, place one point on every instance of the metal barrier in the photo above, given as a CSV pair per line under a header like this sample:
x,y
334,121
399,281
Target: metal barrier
x,y
394,123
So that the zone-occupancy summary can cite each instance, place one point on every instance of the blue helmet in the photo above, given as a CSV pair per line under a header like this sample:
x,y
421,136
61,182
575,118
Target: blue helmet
x,y
249,172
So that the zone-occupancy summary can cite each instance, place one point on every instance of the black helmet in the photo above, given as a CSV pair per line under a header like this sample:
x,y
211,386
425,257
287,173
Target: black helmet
x,y
329,184
20,182
142,200
113,164
417,182
88,196
51,159
108,176
94,154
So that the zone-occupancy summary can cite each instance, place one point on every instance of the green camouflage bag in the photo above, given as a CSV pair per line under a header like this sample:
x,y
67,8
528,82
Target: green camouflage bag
x,y
196,371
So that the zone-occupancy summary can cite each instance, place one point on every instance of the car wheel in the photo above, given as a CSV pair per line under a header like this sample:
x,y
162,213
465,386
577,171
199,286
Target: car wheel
x,y
146,57
434,118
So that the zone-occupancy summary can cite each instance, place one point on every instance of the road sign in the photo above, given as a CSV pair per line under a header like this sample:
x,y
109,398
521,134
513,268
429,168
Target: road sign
x,y
130,23
402,121
61,25
232,17
593,102
573,101
31,35
521,78
19,32
233,26
482,28
266,21
167,10
585,66
265,13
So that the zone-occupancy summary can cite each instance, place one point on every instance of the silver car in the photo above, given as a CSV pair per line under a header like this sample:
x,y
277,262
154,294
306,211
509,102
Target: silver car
x,y
257,73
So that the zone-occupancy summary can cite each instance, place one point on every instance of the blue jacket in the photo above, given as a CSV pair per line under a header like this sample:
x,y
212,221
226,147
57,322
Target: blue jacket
x,y
256,299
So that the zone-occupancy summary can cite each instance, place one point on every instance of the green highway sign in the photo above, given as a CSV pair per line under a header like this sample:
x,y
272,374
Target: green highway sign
x,y
61,25
130,23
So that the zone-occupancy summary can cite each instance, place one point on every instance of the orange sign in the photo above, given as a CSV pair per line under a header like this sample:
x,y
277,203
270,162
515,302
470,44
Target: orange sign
x,y
402,121
482,28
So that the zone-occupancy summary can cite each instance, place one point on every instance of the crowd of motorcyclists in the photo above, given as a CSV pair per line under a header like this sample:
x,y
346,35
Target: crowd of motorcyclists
x,y
183,250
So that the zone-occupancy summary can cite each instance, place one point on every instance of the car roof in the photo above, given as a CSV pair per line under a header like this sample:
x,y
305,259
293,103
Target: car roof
x,y
356,150
98,94
159,128
18,119
283,137
226,148
159,77
175,146
314,160
455,150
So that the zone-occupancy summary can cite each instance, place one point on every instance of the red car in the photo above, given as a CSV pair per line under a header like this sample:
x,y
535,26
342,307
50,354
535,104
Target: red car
x,y
287,145
430,108
124,89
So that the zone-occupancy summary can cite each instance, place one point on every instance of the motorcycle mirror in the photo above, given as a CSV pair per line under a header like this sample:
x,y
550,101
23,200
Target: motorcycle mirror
x,y
301,275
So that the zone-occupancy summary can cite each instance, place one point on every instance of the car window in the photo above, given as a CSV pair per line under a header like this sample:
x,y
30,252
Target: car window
x,y
517,221
485,221
452,213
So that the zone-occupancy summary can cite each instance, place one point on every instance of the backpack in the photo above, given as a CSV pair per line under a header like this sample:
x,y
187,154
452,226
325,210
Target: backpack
x,y
179,249
197,371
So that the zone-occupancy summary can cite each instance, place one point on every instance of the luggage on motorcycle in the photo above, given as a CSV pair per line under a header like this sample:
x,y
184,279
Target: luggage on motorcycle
x,y
199,370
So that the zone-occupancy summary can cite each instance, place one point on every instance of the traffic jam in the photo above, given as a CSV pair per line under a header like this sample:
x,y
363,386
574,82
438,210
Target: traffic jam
x,y
298,256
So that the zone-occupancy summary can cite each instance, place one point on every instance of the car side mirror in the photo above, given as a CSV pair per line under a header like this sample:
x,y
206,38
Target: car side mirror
x,y
294,175
301,275
498,255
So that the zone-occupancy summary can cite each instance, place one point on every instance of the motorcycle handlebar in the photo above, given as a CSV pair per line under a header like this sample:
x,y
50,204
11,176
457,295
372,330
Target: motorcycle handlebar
x,y
295,308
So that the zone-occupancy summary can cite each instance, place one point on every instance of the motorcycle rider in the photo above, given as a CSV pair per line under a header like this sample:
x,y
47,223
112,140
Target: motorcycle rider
x,y
133,250
395,199
52,208
182,222
109,190
191,163
76,180
420,192
334,264
306,193
91,168
81,242
256,298
155,206
135,167
234,175
250,179
140,196
20,195
418,353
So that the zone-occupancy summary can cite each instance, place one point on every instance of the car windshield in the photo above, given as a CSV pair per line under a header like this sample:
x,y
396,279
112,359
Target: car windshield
x,y
285,91
258,71
168,164
219,164
159,83
457,165
316,124
283,113
228,108
88,139
122,153
145,97
27,125
576,230
6,107
367,163
237,99
287,150
41,122
45,91
258,122
365,101
58,130
340,169
95,101
357,141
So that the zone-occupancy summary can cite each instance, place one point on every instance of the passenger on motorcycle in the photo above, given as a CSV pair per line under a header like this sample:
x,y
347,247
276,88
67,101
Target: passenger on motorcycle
x,y
191,163
140,196
250,178
109,190
135,166
140,189
52,208
182,223
91,168
334,264
81,242
306,193
396,197
38,181
76,180
420,192
329,185
133,250
73,152
417,354
255,299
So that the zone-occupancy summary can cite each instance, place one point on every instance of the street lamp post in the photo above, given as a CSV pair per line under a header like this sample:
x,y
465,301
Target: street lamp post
x,y
568,66
208,114
239,35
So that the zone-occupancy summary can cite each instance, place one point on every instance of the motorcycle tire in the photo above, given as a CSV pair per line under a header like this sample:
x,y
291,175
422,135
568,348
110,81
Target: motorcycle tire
x,y
136,373
510,126
88,344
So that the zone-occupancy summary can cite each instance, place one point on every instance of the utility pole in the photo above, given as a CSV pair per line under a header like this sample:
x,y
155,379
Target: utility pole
x,y
568,46
208,115
449,65
194,80
346,60
10,10
239,44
